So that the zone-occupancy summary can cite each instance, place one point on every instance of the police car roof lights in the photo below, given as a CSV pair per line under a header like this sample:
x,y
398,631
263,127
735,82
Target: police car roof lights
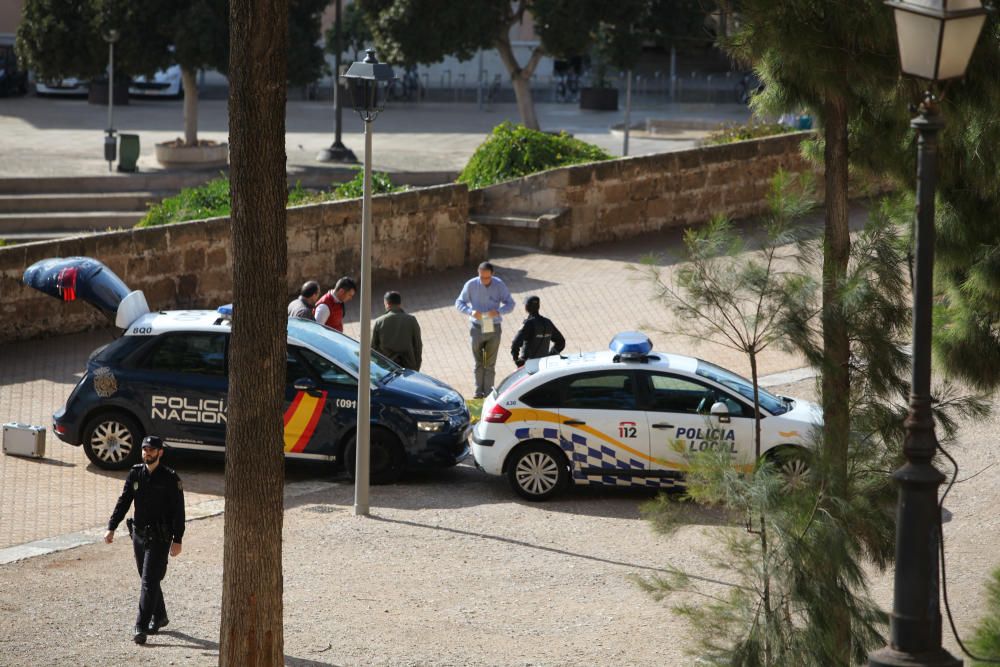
x,y
225,313
631,346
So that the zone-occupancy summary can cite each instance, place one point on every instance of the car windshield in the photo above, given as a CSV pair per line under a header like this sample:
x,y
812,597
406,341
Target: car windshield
x,y
339,348
742,386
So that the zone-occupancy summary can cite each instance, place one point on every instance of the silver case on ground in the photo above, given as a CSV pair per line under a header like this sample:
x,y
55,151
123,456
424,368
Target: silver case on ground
x,y
23,440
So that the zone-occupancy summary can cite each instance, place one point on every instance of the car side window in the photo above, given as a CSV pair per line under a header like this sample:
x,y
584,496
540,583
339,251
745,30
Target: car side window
x,y
197,353
295,368
669,393
600,391
327,370
546,396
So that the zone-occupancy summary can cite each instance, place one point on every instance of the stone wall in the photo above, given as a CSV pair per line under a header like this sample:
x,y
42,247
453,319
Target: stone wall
x,y
189,265
603,201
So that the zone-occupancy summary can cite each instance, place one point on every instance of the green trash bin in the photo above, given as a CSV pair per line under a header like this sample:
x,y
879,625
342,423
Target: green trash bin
x,y
128,151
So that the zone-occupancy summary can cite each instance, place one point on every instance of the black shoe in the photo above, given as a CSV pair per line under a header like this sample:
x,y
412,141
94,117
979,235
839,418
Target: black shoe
x,y
138,635
156,624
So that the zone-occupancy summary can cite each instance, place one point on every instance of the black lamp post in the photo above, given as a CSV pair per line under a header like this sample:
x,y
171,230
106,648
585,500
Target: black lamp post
x,y
337,151
110,141
936,39
368,82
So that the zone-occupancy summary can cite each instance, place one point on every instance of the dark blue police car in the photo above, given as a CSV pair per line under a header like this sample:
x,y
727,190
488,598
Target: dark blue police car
x,y
167,375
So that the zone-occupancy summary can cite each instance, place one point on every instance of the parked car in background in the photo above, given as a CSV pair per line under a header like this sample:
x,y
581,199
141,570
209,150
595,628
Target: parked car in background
x,y
165,83
69,87
13,80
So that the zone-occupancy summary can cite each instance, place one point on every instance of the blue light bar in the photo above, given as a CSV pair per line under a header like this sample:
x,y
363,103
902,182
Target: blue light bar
x,y
226,310
631,344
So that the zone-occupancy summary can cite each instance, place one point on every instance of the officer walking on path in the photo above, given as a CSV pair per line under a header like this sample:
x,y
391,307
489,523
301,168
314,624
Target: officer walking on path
x,y
538,337
302,306
156,530
396,334
485,299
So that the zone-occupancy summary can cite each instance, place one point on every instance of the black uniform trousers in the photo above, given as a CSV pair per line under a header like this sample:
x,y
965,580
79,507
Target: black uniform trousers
x,y
151,560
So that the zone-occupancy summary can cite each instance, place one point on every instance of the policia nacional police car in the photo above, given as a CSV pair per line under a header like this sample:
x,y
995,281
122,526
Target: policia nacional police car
x,y
167,375
629,416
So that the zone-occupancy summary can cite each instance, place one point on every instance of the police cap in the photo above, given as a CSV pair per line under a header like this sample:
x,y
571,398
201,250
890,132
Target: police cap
x,y
152,441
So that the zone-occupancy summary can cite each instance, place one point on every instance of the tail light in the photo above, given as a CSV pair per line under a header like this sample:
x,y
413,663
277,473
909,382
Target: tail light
x,y
497,415
66,283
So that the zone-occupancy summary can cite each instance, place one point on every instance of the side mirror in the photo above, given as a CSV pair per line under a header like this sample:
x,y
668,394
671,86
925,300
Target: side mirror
x,y
305,384
721,412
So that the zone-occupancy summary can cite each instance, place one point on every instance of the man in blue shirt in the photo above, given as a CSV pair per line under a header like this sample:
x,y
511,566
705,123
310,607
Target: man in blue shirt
x,y
485,299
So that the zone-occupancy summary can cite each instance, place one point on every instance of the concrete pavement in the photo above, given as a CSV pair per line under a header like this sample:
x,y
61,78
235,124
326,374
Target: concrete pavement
x,y
64,136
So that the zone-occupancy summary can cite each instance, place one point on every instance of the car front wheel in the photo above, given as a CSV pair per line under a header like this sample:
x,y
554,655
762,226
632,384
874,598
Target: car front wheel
x,y
386,458
113,441
537,471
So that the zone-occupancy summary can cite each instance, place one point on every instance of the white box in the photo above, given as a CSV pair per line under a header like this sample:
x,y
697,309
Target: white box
x,y
23,440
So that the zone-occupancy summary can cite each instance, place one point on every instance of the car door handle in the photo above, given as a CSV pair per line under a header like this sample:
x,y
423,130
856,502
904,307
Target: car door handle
x,y
663,425
574,422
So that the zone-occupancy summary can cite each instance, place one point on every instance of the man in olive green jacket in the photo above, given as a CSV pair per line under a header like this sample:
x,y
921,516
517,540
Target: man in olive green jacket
x,y
396,334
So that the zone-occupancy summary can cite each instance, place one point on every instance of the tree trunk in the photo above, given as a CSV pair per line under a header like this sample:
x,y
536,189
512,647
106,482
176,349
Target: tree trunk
x,y
189,83
836,252
251,626
836,387
520,79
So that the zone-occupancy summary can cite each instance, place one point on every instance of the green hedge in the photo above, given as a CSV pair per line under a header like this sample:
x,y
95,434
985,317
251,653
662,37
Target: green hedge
x,y
512,151
727,134
211,199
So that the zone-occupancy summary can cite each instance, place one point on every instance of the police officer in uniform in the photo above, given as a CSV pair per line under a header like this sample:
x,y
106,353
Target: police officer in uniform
x,y
156,530
538,337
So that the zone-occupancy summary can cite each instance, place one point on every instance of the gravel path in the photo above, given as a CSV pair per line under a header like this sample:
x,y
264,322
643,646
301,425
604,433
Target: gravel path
x,y
451,569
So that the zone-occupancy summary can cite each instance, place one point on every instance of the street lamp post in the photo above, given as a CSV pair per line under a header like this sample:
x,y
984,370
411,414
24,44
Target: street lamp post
x,y
110,143
368,82
951,27
337,151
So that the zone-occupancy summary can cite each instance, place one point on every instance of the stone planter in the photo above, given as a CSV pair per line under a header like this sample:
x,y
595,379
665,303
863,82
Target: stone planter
x,y
98,93
599,99
192,157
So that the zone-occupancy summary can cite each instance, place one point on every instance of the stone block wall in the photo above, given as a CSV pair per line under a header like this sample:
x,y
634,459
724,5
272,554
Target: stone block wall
x,y
189,265
606,201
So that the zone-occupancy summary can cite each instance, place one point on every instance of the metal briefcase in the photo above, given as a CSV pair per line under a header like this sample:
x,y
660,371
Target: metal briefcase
x,y
23,440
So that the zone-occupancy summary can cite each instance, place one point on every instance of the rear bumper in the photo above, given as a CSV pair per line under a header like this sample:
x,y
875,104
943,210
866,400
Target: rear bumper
x,y
64,429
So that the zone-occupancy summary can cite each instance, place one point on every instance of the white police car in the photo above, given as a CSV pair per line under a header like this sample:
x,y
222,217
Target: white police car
x,y
629,416
168,376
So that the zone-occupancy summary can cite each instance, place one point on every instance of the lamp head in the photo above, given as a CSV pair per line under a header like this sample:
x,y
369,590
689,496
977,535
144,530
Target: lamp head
x,y
936,37
368,82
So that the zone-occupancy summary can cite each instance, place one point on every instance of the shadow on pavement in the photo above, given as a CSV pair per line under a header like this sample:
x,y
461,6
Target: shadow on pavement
x,y
211,648
561,552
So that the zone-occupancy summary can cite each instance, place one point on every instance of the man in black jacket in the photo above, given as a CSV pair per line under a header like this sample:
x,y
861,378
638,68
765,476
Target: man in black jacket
x,y
156,530
538,337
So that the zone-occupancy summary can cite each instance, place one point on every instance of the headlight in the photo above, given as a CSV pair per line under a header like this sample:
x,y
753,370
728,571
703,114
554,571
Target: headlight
x,y
430,426
426,413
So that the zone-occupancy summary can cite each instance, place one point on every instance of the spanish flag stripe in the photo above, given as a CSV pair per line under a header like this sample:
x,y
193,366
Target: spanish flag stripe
x,y
311,426
296,423
293,407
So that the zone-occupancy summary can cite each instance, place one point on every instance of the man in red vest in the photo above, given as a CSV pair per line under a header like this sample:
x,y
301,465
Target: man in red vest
x,y
331,307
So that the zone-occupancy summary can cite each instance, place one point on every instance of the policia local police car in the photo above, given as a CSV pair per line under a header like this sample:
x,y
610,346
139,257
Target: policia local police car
x,y
167,376
630,417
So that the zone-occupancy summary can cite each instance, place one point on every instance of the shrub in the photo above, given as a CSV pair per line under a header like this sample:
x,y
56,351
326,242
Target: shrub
x,y
727,134
512,151
381,184
211,199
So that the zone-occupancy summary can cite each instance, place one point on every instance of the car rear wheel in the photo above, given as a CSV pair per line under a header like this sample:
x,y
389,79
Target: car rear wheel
x,y
537,471
794,464
386,458
113,441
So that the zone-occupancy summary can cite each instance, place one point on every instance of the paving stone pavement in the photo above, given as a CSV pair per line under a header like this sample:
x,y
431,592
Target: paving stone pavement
x,y
590,294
